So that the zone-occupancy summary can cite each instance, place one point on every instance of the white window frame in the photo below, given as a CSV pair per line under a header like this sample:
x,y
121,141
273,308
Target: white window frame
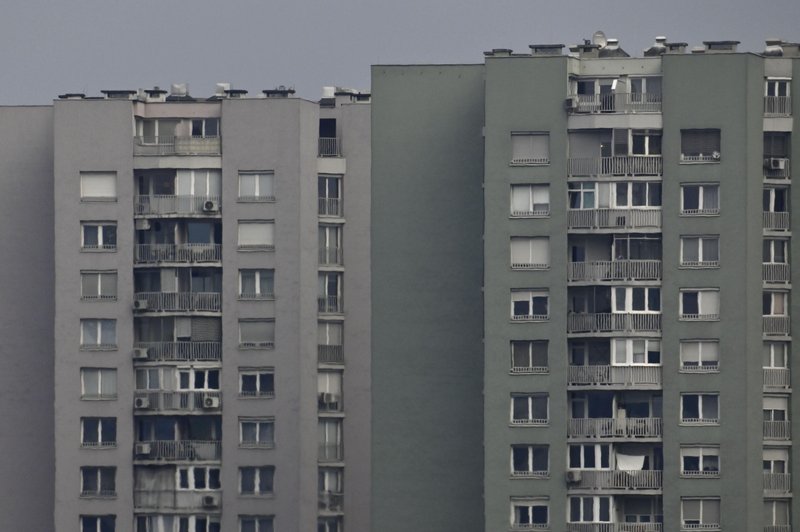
x,y
586,193
774,296
264,280
530,138
591,449
702,314
98,441
202,183
102,245
148,378
772,87
772,244
204,122
700,452
702,209
97,472
530,368
596,504
617,204
260,196
533,192
713,157
258,472
97,521
102,375
702,419
701,524
778,354
268,228
529,296
629,291
97,324
190,471
629,351
264,431
771,509
331,248
703,243
103,179
530,471
529,419
268,522
258,373
648,134
533,259
770,194
98,275
706,349
773,404
192,374
522,513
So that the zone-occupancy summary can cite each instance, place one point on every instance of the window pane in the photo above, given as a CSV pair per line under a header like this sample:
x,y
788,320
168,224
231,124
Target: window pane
x,y
691,197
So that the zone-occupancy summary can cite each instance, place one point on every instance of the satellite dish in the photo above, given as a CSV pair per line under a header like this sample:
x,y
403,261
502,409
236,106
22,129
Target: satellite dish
x,y
599,38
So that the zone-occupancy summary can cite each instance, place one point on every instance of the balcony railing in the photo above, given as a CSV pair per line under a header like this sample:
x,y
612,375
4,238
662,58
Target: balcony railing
x,y
148,145
331,452
777,430
171,204
180,351
777,378
775,483
613,322
330,207
614,375
777,105
331,502
648,102
179,301
778,528
330,354
330,255
615,527
616,479
776,221
777,168
614,270
776,272
614,218
618,165
628,427
185,401
329,147
181,450
776,325
330,304
154,253
175,499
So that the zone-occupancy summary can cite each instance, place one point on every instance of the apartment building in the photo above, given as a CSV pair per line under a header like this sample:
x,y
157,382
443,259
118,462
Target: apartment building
x,y
205,336
602,249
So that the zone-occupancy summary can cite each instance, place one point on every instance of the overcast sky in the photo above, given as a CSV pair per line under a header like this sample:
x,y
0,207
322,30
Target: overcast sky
x,y
49,47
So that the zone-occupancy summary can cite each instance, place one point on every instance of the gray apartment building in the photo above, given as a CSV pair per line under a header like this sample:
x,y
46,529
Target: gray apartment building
x,y
583,322
200,359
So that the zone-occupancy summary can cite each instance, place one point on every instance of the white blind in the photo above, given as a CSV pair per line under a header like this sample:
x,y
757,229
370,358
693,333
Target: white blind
x,y
98,185
256,234
329,334
776,403
530,148
541,195
530,251
709,302
521,198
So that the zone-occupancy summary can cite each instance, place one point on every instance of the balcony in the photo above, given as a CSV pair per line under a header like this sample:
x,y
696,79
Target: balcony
x,y
608,322
615,103
614,270
623,219
330,207
614,375
331,502
776,272
186,253
329,147
178,450
777,168
614,479
181,351
189,145
330,354
777,106
330,304
330,452
777,378
623,427
178,301
776,325
181,401
165,204
330,256
614,527
777,430
619,165
777,483
778,528
776,221
176,499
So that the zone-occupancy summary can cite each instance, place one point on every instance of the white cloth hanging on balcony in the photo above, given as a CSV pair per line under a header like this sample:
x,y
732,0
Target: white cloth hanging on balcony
x,y
630,462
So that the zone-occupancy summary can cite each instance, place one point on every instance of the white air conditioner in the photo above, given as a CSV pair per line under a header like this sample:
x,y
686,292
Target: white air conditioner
x,y
210,501
140,353
776,163
142,449
141,403
571,103
716,155
210,206
140,304
573,476
142,225
210,401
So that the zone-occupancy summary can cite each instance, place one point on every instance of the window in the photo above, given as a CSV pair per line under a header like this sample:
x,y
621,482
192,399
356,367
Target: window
x,y
776,355
776,251
257,432
582,195
177,523
635,352
256,186
776,409
329,342
776,199
98,236
699,513
777,87
700,461
530,461
329,293
530,252
529,513
330,195
775,303
700,251
645,142
98,186
330,244
699,304
329,524
98,383
198,379
98,431
529,356
203,183
256,333
700,145
530,148
257,383
590,509
777,99
699,200
530,200
98,334
198,478
530,305
636,194
98,523
98,481
329,391
205,127
256,523
256,480
256,284
776,468
700,409
776,515
636,299
589,456
258,236
700,356
529,409
329,437
98,285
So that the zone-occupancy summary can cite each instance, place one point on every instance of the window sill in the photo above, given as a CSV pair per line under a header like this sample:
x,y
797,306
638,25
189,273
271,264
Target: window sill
x,y
99,397
699,474
709,423
700,265
700,317
99,250
527,423
691,369
701,213
257,395
530,370
99,200
101,347
98,446
530,162
98,298
522,216
532,318
267,297
256,199
516,475
530,267
255,248
256,445
701,161
255,346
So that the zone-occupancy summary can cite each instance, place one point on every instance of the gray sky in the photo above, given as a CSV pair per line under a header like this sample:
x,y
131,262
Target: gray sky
x,y
48,47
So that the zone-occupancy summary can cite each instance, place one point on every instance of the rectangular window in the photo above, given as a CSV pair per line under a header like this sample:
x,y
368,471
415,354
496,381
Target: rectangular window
x,y
776,409
699,356
530,461
98,431
530,513
635,352
529,356
98,236
258,236
206,184
256,334
700,251
589,509
329,437
256,284
645,142
330,244
330,337
531,253
329,189
99,285
256,186
256,480
582,195
257,432
699,304
777,515
776,355
198,478
529,409
205,127
98,186
775,251
697,200
257,383
530,148
700,409
329,391
699,513
589,456
777,97
636,195
636,299
98,383
775,303
98,523
98,334
700,461
700,145
98,481
530,201
198,379
776,200
530,305
256,523
329,293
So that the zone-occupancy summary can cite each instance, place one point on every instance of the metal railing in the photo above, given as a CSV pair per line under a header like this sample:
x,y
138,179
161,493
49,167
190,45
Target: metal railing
x,y
627,427
778,528
778,105
712,157
330,255
181,351
330,304
776,221
614,218
535,211
182,450
330,206
171,204
777,378
777,430
615,527
777,482
618,165
619,102
776,325
776,272
186,400
617,479
180,301
778,173
330,452
329,147
174,499
530,160
154,253
617,375
613,322
614,270
330,354
331,502
184,145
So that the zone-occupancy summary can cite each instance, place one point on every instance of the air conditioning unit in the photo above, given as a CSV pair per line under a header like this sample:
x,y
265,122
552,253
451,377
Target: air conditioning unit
x,y
140,304
775,163
140,353
210,401
142,225
141,403
571,104
210,501
716,155
142,449
573,476
210,206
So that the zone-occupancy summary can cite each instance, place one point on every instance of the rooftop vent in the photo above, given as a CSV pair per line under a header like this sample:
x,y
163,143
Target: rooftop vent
x,y
659,47
72,96
236,93
676,47
221,88
720,46
281,91
546,49
698,50
119,94
498,52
